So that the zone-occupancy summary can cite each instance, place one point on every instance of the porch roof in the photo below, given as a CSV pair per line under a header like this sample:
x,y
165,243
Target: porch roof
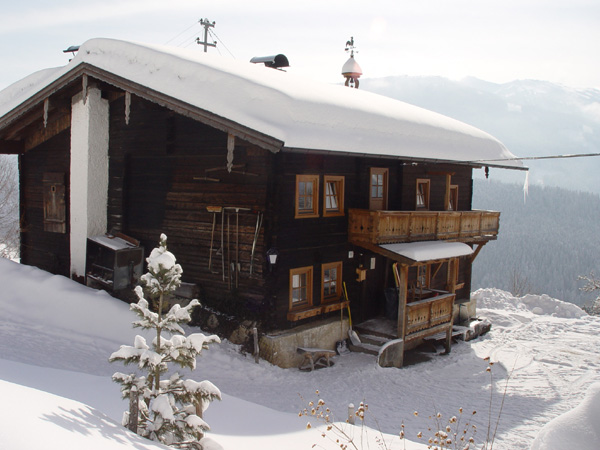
x,y
428,250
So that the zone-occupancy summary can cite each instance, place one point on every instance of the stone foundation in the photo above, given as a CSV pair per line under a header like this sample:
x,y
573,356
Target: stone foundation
x,y
280,347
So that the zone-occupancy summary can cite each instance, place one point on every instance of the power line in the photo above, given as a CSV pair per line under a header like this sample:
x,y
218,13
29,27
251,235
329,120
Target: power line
x,y
212,33
529,158
187,29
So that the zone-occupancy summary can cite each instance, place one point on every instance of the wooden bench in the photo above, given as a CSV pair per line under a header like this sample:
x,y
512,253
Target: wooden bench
x,y
312,356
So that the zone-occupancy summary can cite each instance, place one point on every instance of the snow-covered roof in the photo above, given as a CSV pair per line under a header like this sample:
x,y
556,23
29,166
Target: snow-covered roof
x,y
112,242
300,113
429,250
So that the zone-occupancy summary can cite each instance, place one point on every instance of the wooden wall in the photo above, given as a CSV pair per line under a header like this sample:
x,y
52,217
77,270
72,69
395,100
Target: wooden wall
x,y
461,176
44,249
157,185
314,241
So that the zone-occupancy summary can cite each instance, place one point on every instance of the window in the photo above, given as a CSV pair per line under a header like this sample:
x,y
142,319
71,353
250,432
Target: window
x,y
301,280
307,196
423,276
453,198
333,196
422,194
331,276
378,188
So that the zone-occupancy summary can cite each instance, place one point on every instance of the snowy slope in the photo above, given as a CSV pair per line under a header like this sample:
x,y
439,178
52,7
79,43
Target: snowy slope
x,y
55,338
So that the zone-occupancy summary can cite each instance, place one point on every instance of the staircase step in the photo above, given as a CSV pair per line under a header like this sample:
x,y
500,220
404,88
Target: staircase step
x,y
372,339
363,347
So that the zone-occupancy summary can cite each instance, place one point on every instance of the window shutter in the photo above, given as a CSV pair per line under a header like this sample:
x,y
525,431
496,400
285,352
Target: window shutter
x,y
54,203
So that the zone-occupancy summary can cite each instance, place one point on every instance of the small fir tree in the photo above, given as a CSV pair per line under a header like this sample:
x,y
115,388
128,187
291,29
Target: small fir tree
x,y
166,410
592,283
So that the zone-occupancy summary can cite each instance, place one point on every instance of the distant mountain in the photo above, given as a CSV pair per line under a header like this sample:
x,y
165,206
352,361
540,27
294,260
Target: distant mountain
x,y
532,118
544,243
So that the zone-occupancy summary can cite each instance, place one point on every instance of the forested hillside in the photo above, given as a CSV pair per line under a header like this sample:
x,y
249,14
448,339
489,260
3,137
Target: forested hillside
x,y
544,242
9,207
532,118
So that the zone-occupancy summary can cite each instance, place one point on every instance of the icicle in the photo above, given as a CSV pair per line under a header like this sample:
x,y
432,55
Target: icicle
x,y
526,187
230,147
46,108
84,86
127,106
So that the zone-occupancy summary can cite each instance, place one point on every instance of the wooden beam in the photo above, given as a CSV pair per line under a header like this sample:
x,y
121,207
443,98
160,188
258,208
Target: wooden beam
x,y
447,194
402,279
452,275
44,134
11,147
476,252
439,172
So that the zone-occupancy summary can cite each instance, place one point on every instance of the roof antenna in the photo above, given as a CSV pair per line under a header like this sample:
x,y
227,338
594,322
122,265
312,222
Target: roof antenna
x,y
206,24
72,49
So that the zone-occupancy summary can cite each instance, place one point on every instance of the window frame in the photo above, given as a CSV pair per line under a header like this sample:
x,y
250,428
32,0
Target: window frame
x,y
338,287
308,301
339,181
314,211
384,172
426,268
426,183
452,198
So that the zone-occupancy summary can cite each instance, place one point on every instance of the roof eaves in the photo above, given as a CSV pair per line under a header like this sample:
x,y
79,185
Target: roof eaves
x,y
176,105
474,164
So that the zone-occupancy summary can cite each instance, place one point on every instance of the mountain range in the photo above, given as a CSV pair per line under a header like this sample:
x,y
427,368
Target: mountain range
x,y
532,118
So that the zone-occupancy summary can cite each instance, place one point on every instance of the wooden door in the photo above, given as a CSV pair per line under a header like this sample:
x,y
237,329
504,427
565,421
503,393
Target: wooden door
x,y
378,188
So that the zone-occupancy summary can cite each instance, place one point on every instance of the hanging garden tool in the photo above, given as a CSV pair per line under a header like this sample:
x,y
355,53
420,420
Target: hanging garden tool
x,y
214,210
256,234
351,333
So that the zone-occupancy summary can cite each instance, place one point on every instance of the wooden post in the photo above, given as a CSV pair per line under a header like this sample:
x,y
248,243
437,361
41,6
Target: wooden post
x,y
402,293
132,424
452,274
447,196
256,350
351,413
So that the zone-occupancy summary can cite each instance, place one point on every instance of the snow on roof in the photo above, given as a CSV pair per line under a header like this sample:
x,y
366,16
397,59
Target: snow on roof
x,y
112,242
301,113
429,250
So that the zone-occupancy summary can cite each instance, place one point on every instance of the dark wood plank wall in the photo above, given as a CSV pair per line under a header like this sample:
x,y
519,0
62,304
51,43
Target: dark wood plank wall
x,y
315,241
47,250
435,173
156,166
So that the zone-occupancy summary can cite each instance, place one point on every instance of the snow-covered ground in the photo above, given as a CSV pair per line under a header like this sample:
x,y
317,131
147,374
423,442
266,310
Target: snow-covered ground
x,y
56,391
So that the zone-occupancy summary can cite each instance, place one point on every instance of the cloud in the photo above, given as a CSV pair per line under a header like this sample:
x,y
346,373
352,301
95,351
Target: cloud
x,y
59,14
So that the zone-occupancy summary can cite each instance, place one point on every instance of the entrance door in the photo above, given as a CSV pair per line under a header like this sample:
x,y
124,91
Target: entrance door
x,y
378,188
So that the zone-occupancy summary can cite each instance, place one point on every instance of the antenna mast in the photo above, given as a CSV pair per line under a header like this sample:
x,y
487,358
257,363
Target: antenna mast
x,y
206,24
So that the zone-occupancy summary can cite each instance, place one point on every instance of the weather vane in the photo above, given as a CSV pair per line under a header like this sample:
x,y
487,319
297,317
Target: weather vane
x,y
351,70
350,47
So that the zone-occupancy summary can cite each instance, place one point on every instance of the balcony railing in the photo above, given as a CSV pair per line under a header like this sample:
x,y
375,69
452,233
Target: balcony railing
x,y
387,227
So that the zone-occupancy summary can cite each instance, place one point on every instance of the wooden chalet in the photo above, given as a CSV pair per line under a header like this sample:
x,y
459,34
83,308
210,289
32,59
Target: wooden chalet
x,y
237,164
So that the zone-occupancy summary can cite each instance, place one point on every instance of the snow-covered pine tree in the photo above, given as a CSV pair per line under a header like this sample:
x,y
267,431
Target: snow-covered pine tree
x,y
591,284
169,410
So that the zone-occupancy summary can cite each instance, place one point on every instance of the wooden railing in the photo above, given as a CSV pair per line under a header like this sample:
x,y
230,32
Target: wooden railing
x,y
387,227
428,316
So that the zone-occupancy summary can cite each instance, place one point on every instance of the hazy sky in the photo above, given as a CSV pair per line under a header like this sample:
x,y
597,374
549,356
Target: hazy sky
x,y
499,41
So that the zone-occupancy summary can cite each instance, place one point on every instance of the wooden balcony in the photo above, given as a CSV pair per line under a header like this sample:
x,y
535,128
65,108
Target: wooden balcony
x,y
428,316
388,227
